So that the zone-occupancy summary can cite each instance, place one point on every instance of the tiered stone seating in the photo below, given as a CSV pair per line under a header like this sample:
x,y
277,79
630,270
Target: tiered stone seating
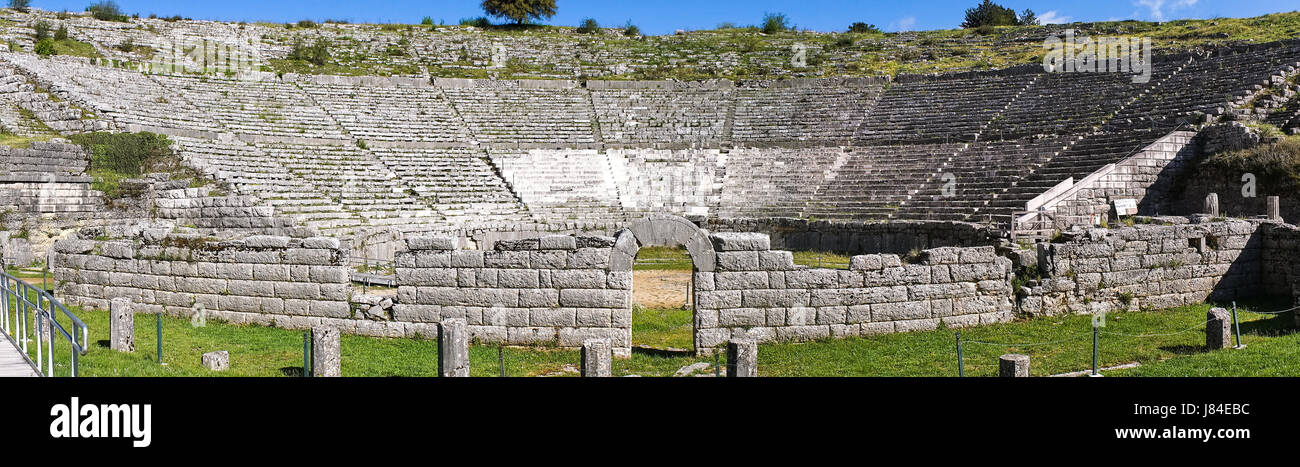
x,y
47,178
1065,104
128,97
358,180
562,185
391,113
674,181
872,182
264,108
943,109
825,112
658,112
508,114
776,182
458,183
981,171
55,158
252,170
1207,84
23,102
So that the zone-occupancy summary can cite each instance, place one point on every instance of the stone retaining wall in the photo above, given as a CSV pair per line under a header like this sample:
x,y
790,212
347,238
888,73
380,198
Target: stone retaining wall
x,y
759,294
555,290
1148,267
272,281
853,238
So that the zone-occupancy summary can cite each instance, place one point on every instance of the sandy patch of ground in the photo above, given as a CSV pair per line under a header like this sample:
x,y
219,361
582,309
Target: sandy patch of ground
x,y
660,289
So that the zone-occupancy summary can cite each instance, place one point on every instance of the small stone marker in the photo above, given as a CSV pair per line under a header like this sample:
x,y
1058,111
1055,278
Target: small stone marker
x,y
742,359
1212,204
217,361
121,329
1013,366
453,348
597,358
1274,208
326,353
1217,329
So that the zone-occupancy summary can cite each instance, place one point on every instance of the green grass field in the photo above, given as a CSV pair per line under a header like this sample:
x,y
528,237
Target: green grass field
x,y
1172,346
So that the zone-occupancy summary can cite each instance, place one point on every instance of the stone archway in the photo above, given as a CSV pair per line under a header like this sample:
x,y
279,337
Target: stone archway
x,y
671,231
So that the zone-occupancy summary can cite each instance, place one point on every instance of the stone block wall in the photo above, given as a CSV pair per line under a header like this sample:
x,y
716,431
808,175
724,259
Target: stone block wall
x,y
759,294
204,209
553,290
1148,267
272,281
853,238
1280,268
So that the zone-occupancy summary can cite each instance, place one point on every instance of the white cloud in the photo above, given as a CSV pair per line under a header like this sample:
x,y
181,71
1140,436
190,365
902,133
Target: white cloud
x,y
1158,7
904,24
1052,17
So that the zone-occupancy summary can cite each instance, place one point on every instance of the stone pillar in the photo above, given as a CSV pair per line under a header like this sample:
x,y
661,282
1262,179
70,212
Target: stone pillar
x,y
1212,204
597,358
1274,208
742,359
121,326
326,353
453,348
1218,334
217,361
1013,366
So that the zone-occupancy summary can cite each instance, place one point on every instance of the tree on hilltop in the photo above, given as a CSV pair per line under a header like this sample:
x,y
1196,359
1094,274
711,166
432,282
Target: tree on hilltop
x,y
520,11
21,5
992,14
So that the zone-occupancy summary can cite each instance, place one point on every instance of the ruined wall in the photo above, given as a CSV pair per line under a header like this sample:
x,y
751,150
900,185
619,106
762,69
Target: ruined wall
x,y
1280,267
1147,267
272,281
759,294
204,209
555,290
854,238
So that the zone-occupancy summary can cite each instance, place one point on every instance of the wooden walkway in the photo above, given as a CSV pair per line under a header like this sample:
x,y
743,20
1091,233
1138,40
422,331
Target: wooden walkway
x,y
12,363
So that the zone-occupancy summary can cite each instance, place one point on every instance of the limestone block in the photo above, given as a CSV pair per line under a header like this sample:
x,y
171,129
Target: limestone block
x,y
741,241
742,359
1013,366
1218,334
217,361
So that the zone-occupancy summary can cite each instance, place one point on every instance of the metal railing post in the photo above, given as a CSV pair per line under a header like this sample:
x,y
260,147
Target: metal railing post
x,y
1236,325
1094,349
961,364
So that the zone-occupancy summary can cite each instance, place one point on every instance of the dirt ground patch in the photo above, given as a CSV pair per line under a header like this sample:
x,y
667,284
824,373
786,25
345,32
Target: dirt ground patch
x,y
660,289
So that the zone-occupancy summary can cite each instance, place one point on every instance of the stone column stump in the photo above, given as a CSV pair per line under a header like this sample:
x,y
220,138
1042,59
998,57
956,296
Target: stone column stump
x,y
217,361
597,358
1218,333
742,359
121,327
326,353
453,348
1013,366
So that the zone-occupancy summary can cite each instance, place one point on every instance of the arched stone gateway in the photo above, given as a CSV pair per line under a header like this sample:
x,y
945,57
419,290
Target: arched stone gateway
x,y
670,230
667,230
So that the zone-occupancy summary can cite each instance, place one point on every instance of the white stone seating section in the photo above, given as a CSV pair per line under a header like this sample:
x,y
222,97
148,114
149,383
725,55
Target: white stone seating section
x,y
391,113
873,181
509,115
251,170
266,108
562,185
940,110
459,183
825,112
31,110
1067,104
682,182
649,116
775,182
355,177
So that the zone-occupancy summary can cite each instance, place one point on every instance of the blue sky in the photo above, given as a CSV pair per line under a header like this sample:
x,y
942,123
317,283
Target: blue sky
x,y
665,16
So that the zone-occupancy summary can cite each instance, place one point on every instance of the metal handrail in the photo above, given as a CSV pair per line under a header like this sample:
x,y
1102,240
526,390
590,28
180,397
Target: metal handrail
x,y
14,320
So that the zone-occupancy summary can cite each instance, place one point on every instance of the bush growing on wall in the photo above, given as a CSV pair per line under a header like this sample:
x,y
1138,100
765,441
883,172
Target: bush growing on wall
x,y
118,156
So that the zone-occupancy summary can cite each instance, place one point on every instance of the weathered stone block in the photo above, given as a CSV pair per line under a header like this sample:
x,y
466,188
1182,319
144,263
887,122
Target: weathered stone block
x,y
121,332
326,353
742,359
453,348
1218,334
741,241
597,358
217,361
1013,366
